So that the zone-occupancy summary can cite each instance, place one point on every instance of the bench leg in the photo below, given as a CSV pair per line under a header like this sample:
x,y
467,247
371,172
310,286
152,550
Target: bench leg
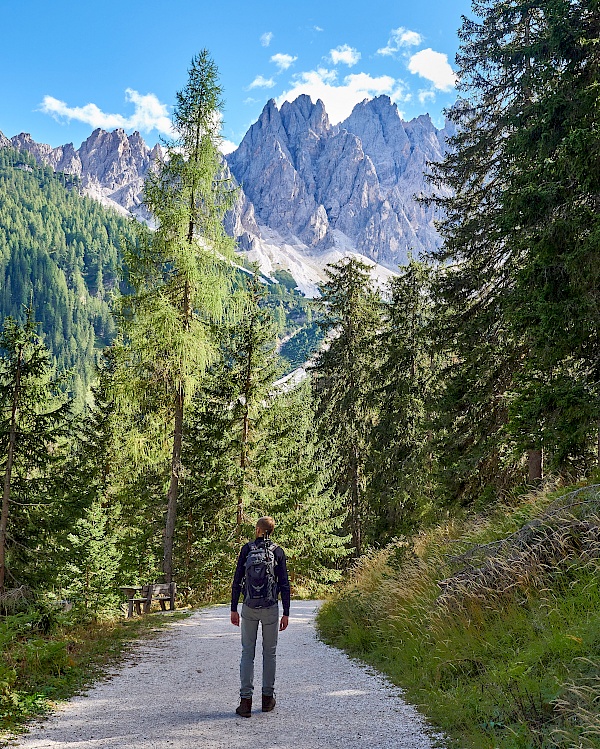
x,y
129,609
138,608
163,606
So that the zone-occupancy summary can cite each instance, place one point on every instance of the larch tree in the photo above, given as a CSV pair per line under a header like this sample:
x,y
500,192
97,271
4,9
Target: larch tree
x,y
180,273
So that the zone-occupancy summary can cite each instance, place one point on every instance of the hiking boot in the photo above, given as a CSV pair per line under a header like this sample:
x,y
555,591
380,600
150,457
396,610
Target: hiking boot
x,y
245,707
268,703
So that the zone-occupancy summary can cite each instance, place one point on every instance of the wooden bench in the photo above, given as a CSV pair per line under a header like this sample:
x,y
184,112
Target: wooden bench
x,y
161,592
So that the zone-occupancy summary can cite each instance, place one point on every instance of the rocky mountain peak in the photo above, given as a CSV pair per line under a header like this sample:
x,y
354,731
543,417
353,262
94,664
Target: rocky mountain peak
x,y
302,115
377,123
307,187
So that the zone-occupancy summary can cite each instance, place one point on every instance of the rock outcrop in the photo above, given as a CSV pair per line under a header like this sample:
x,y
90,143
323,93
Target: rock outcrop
x,y
308,179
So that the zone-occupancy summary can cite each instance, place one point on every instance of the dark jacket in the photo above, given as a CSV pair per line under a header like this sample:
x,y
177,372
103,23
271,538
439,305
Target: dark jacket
x,y
281,575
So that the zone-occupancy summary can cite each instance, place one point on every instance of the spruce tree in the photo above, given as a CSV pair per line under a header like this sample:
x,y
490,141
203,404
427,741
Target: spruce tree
x,y
401,484
33,422
179,273
343,384
297,476
519,243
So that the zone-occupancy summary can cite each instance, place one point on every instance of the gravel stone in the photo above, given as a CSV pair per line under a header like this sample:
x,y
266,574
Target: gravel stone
x,y
180,691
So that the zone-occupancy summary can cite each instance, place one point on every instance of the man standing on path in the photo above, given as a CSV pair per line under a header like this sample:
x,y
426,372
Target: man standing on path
x,y
261,571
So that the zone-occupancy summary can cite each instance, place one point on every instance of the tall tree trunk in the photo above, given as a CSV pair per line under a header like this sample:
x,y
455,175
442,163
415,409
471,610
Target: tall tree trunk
x,y
535,465
173,487
245,435
243,466
8,473
355,502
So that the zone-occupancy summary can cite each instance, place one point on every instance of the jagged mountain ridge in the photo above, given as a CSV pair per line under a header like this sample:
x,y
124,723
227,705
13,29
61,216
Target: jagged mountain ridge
x,y
310,192
111,165
313,181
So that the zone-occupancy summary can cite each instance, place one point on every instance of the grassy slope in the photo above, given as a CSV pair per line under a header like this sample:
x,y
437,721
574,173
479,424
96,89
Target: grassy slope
x,y
508,655
45,659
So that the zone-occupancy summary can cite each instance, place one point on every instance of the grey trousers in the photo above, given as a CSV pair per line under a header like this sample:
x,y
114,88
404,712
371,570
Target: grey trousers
x,y
269,618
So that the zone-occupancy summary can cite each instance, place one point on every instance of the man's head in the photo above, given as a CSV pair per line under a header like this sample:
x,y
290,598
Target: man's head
x,y
265,526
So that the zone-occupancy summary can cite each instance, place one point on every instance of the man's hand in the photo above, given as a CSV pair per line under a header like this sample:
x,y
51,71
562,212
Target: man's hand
x,y
285,620
235,618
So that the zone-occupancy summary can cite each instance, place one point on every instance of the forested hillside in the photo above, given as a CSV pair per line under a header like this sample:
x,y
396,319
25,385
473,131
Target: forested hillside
x,y
59,253
62,254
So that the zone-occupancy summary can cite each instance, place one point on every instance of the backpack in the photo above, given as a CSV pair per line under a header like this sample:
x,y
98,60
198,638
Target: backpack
x,y
260,587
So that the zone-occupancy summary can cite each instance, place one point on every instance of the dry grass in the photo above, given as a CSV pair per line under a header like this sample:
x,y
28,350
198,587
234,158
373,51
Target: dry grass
x,y
486,622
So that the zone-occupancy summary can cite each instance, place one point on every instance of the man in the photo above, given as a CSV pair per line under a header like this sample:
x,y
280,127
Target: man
x,y
261,570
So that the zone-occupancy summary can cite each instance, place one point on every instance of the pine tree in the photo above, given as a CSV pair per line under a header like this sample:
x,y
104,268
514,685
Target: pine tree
x,y
33,422
519,242
179,273
343,382
401,469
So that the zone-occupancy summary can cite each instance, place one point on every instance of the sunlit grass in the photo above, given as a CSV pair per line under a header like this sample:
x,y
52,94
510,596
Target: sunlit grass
x,y
43,661
491,625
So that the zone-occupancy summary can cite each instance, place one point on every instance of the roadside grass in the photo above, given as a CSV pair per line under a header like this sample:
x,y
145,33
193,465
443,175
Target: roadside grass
x,y
47,657
491,625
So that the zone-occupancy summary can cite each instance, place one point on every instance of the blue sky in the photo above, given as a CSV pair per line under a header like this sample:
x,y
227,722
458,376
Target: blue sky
x,y
69,67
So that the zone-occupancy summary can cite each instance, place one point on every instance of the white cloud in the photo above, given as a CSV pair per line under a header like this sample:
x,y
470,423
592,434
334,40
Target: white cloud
x,y
261,82
425,96
434,67
340,98
251,100
283,62
317,28
346,54
266,38
227,146
149,114
399,38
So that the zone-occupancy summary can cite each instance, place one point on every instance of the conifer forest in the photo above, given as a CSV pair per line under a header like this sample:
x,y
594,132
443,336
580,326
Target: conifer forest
x,y
145,422
147,415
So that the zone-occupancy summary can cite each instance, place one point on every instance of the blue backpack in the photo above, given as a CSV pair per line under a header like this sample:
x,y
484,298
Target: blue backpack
x,y
260,583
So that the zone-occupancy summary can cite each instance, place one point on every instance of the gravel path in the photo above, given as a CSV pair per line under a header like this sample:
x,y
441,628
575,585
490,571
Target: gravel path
x,y
180,691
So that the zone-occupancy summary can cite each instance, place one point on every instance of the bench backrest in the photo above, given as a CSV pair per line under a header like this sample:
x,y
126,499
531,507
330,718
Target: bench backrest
x,y
159,589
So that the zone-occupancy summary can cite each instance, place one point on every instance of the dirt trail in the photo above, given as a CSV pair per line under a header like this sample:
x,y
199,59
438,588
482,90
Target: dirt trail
x,y
180,691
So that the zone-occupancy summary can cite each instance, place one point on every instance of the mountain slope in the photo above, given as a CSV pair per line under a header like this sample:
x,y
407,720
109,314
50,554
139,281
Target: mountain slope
x,y
61,252
310,192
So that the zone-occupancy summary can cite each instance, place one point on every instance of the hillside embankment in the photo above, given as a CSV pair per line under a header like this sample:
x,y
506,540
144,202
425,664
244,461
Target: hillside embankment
x,y
490,624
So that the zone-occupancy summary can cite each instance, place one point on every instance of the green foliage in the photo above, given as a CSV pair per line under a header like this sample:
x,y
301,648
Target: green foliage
x,y
59,253
519,294
297,482
343,383
401,462
180,275
302,345
33,425
251,451
495,636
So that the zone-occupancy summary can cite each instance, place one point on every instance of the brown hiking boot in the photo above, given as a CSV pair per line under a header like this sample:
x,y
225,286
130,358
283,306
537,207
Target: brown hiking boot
x,y
268,703
245,707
